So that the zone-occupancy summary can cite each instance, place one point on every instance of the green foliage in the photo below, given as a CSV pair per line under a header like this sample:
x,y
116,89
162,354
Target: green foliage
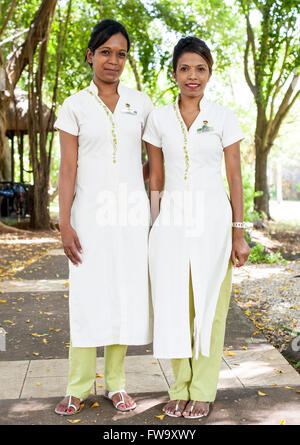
x,y
277,44
248,188
258,255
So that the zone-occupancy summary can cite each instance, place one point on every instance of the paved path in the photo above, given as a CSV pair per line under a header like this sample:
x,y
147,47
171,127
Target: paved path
x,y
31,384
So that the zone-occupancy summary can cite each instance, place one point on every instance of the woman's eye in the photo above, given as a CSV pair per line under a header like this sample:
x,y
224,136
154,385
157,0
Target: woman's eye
x,y
105,51
122,55
183,68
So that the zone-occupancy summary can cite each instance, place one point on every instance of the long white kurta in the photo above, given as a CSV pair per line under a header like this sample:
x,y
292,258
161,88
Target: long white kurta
x,y
193,229
108,292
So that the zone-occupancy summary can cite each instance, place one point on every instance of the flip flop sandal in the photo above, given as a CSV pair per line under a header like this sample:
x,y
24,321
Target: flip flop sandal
x,y
196,417
109,395
176,409
70,405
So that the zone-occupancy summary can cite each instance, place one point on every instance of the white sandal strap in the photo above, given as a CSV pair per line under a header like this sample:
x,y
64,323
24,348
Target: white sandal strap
x,y
112,393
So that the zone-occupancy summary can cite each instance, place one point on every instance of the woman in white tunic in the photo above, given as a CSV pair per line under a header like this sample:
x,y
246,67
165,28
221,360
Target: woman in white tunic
x,y
105,228
192,244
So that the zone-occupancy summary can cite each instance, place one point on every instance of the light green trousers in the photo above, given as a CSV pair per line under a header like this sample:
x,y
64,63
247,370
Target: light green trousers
x,y
198,379
82,369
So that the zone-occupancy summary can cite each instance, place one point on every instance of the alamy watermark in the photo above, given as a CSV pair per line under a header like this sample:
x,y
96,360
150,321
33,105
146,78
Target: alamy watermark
x,y
179,208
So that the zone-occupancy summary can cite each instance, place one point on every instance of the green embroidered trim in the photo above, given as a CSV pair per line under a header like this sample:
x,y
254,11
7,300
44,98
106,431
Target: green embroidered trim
x,y
113,125
185,140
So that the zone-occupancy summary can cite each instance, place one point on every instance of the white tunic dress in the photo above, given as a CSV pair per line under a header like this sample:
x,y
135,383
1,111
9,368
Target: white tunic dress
x,y
193,230
108,292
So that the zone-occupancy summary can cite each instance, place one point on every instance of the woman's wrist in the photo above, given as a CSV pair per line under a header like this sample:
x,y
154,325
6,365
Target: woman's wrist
x,y
238,232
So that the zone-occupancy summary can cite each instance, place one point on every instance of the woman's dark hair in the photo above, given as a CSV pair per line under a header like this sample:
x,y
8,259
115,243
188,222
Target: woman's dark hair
x,y
103,31
192,45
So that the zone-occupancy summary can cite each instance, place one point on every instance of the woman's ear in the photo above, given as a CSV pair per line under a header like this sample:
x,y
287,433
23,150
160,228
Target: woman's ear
x,y
89,56
174,76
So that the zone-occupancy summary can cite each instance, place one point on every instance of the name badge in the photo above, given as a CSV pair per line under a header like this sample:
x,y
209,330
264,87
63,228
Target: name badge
x,y
129,110
204,128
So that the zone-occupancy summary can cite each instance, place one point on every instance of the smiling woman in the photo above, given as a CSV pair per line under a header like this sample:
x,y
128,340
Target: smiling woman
x,y
101,128
192,243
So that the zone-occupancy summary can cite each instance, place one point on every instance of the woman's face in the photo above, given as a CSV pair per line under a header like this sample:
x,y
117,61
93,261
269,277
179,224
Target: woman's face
x,y
192,74
109,59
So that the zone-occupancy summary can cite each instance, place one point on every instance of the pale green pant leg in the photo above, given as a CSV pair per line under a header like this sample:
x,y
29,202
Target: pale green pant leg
x,y
198,379
114,372
82,369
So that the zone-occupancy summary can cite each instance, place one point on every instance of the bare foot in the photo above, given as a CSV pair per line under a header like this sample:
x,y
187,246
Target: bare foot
x,y
170,407
196,408
64,406
128,401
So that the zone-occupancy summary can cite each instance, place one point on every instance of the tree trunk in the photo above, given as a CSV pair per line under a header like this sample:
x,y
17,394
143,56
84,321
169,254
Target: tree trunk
x,y
261,203
18,61
40,218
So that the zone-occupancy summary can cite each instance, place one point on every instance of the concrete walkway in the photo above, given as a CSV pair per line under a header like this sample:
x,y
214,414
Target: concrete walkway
x,y
257,385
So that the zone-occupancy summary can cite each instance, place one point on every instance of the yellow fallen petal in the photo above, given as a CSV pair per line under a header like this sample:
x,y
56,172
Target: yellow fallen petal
x,y
154,363
99,385
73,421
37,384
254,333
288,387
160,417
3,301
66,296
36,353
94,405
261,393
298,391
57,330
44,341
282,422
229,353
271,358
100,375
244,347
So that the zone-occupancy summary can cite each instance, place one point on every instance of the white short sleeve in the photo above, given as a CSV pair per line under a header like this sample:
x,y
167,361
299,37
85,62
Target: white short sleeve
x,y
67,120
231,130
152,133
148,106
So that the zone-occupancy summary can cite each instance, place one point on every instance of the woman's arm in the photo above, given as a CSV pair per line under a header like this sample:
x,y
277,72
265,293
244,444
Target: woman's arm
x,y
66,184
156,178
240,248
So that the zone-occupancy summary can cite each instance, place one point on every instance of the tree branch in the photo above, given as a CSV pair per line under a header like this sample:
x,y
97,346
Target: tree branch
x,y
36,33
135,72
12,7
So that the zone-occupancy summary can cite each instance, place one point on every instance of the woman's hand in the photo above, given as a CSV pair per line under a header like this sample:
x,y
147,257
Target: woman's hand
x,y
71,243
240,250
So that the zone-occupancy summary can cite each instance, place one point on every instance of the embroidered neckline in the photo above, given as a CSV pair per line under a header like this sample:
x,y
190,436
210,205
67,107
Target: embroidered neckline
x,y
185,140
113,124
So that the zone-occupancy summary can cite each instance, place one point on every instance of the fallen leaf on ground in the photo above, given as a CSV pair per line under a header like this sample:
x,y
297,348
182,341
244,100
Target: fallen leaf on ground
x,y
73,421
160,417
229,353
94,405
261,393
